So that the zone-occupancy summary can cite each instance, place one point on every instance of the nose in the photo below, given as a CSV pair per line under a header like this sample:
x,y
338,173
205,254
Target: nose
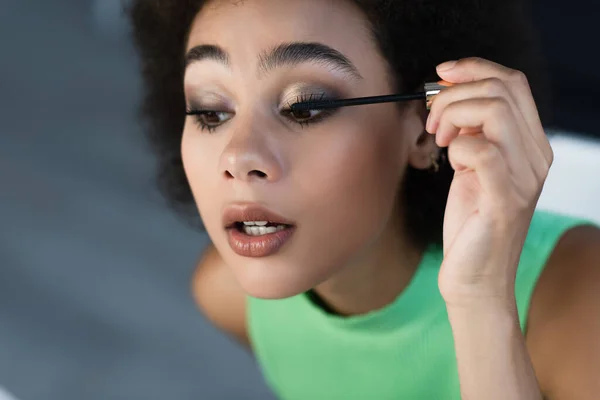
x,y
250,156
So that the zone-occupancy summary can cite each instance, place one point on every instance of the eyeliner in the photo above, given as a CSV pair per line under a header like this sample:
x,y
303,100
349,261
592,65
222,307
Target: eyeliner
x,y
431,90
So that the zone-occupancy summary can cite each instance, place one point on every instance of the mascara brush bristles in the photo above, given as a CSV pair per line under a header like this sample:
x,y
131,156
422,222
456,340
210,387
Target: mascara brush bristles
x,y
325,104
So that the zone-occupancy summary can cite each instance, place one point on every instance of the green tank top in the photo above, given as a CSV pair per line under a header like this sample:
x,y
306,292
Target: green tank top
x,y
402,351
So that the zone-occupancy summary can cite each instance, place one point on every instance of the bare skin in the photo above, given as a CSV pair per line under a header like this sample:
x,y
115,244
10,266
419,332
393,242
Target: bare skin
x,y
563,324
338,174
338,178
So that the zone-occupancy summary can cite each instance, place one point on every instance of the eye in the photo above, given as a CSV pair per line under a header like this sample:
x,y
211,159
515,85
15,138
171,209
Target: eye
x,y
305,117
302,116
210,119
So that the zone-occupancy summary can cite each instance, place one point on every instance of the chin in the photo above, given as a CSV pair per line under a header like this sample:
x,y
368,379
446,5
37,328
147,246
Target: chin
x,y
270,293
272,279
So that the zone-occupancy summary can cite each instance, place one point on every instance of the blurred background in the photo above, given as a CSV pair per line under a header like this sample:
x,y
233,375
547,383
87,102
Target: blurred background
x,y
95,271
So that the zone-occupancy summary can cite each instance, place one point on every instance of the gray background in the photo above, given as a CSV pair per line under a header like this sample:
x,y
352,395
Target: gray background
x,y
94,271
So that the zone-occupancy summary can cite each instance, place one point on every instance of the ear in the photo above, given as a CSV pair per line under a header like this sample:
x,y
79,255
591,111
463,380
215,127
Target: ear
x,y
422,147
423,151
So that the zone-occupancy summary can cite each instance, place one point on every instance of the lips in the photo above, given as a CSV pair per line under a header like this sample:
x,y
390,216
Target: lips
x,y
250,213
256,242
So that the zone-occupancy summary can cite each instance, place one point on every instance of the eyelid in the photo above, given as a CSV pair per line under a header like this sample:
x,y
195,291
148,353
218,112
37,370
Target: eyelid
x,y
314,90
207,99
303,98
199,106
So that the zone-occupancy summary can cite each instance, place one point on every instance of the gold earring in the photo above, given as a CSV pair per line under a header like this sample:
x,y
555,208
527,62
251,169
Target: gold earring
x,y
435,166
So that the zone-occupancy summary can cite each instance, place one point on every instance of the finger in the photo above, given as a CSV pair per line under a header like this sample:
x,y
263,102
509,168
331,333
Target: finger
x,y
475,153
490,88
485,159
492,116
473,69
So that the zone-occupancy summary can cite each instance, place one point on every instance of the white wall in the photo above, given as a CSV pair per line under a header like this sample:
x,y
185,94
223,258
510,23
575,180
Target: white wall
x,y
4,395
573,185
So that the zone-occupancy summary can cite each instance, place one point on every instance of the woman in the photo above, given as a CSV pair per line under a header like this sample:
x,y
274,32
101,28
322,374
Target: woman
x,y
373,252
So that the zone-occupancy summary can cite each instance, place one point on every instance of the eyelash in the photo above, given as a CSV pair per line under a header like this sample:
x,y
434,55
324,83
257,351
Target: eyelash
x,y
287,112
199,114
305,98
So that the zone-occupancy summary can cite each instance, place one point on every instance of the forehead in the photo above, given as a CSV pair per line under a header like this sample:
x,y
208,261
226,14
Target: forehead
x,y
248,28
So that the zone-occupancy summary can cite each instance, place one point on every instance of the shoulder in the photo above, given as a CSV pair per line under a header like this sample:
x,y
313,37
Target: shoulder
x,y
217,293
564,318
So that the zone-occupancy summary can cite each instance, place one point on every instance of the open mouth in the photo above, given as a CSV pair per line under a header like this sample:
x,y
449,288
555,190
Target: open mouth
x,y
255,231
259,228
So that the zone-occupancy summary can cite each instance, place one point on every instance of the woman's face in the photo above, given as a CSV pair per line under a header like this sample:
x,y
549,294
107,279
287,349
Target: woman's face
x,y
325,181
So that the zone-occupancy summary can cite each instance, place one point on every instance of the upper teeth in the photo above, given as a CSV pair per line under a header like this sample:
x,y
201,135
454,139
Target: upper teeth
x,y
262,230
256,223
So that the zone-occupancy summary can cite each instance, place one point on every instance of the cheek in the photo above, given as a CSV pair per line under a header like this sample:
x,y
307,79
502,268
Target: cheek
x,y
351,181
200,160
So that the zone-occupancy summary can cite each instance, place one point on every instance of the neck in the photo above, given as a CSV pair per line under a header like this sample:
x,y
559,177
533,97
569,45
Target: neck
x,y
375,279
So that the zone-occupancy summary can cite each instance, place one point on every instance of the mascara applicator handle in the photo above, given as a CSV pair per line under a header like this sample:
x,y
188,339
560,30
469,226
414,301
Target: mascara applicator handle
x,y
432,89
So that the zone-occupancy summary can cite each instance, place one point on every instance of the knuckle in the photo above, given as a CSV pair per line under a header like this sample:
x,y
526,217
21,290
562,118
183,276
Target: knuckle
x,y
545,174
518,77
550,157
472,60
494,87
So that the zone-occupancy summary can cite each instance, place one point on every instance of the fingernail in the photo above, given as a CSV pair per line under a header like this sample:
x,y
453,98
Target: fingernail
x,y
448,65
428,124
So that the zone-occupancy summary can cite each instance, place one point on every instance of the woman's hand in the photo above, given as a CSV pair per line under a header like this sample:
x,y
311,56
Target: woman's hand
x,y
498,148
501,156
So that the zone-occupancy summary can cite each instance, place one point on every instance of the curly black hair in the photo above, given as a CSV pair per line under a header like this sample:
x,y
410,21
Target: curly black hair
x,y
413,36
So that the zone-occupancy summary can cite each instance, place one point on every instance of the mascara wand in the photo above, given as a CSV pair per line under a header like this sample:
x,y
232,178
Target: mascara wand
x,y
431,90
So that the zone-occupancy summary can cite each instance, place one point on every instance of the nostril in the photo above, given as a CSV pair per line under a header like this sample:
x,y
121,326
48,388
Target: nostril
x,y
250,174
257,173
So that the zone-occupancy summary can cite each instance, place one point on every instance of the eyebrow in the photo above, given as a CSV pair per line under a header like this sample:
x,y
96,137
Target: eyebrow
x,y
287,54
206,52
